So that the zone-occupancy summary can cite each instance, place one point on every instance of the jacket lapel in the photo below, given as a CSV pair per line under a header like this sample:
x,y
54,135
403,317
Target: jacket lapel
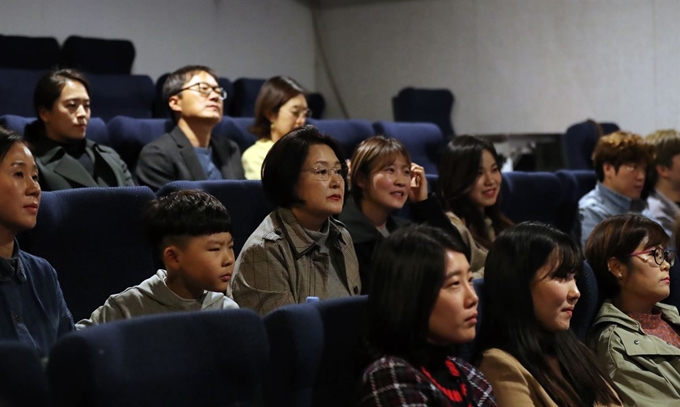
x,y
186,151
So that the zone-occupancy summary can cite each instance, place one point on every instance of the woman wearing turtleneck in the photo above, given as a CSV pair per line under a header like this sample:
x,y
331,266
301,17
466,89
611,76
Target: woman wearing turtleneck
x,y
65,158
635,336
421,306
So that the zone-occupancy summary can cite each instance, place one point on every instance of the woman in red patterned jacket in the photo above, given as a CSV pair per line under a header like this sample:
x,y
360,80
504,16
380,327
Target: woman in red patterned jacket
x,y
421,306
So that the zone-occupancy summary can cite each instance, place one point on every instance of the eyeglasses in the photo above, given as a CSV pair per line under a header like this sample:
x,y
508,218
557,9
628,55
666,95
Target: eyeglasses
x,y
324,174
659,255
307,113
634,167
206,89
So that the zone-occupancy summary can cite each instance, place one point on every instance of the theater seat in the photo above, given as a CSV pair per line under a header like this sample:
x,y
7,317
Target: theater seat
x,y
98,55
19,52
93,238
317,103
128,135
575,184
204,358
578,143
422,140
24,380
531,196
246,91
16,91
96,128
236,129
121,95
244,199
588,304
349,133
425,105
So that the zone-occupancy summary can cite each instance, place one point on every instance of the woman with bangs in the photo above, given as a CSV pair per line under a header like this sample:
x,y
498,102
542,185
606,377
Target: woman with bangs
x,y
525,348
635,336
470,185
383,179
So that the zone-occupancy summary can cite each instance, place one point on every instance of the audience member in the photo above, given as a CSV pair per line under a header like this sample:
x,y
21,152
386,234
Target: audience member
x,y
470,185
33,308
190,151
65,158
383,178
299,250
636,337
525,347
280,107
191,233
620,161
421,305
665,177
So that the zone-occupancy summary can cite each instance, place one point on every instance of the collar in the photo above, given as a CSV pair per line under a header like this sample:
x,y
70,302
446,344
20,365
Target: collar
x,y
621,203
610,314
12,267
667,203
300,241
359,226
49,150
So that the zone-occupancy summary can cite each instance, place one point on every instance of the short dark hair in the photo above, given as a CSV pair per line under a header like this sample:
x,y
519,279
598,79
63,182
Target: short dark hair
x,y
408,272
183,214
371,154
509,322
458,171
282,165
275,92
619,148
618,236
176,80
47,91
8,138
667,145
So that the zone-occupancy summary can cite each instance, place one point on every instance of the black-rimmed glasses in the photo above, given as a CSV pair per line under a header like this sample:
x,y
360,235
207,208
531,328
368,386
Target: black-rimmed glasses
x,y
659,255
206,89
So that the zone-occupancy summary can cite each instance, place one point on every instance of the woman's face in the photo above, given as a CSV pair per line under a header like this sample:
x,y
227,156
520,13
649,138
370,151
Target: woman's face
x,y
643,280
68,118
484,192
19,190
291,115
387,187
454,316
320,185
553,298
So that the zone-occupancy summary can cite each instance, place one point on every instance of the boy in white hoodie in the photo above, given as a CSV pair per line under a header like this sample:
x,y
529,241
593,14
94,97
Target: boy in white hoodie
x,y
191,231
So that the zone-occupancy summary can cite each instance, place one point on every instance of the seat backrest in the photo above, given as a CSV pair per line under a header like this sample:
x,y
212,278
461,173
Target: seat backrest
x,y
246,91
121,95
244,199
317,104
19,52
348,133
345,326
128,135
25,382
578,143
96,128
575,184
204,358
236,129
425,105
531,196
296,343
422,140
587,306
16,91
98,55
93,238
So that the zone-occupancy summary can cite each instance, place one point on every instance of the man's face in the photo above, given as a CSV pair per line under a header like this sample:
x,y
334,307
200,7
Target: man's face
x,y
628,180
197,100
672,173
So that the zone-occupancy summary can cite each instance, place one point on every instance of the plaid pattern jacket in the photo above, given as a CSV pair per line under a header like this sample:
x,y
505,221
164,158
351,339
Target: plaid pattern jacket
x,y
280,264
392,382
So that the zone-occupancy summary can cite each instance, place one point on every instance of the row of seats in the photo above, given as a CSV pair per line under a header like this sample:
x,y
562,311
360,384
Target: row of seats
x,y
129,135
92,236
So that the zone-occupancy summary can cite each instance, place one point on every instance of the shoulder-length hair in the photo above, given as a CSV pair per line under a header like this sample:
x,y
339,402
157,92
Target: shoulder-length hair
x,y
373,154
618,237
408,272
458,173
509,321
275,92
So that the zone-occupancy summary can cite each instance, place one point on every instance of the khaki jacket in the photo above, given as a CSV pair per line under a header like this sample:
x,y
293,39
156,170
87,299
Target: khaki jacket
x,y
477,251
280,264
512,384
645,368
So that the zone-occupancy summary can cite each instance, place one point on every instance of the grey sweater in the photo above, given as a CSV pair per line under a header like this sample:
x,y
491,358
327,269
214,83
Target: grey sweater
x,y
152,296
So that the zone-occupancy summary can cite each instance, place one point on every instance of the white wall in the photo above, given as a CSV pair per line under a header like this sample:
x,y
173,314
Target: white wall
x,y
237,38
514,65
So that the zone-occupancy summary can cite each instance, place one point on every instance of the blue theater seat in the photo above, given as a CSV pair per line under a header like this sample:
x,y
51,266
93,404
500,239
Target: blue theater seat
x,y
244,199
317,103
19,52
93,238
246,91
16,91
24,380
236,129
422,140
349,133
205,358
531,196
121,95
96,128
575,184
425,105
128,135
98,55
579,142
587,306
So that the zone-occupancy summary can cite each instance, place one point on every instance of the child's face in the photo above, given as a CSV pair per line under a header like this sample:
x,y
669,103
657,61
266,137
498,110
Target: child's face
x,y
206,263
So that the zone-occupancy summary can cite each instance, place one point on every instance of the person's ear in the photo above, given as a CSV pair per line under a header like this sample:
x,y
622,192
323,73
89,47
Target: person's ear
x,y
609,170
171,255
271,116
617,268
44,114
663,171
175,103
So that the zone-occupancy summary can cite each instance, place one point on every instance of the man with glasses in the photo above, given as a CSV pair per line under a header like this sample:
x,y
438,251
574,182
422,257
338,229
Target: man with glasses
x,y
620,160
189,152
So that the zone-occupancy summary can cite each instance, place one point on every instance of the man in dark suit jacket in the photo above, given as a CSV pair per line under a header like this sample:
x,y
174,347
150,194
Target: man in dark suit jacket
x,y
189,151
